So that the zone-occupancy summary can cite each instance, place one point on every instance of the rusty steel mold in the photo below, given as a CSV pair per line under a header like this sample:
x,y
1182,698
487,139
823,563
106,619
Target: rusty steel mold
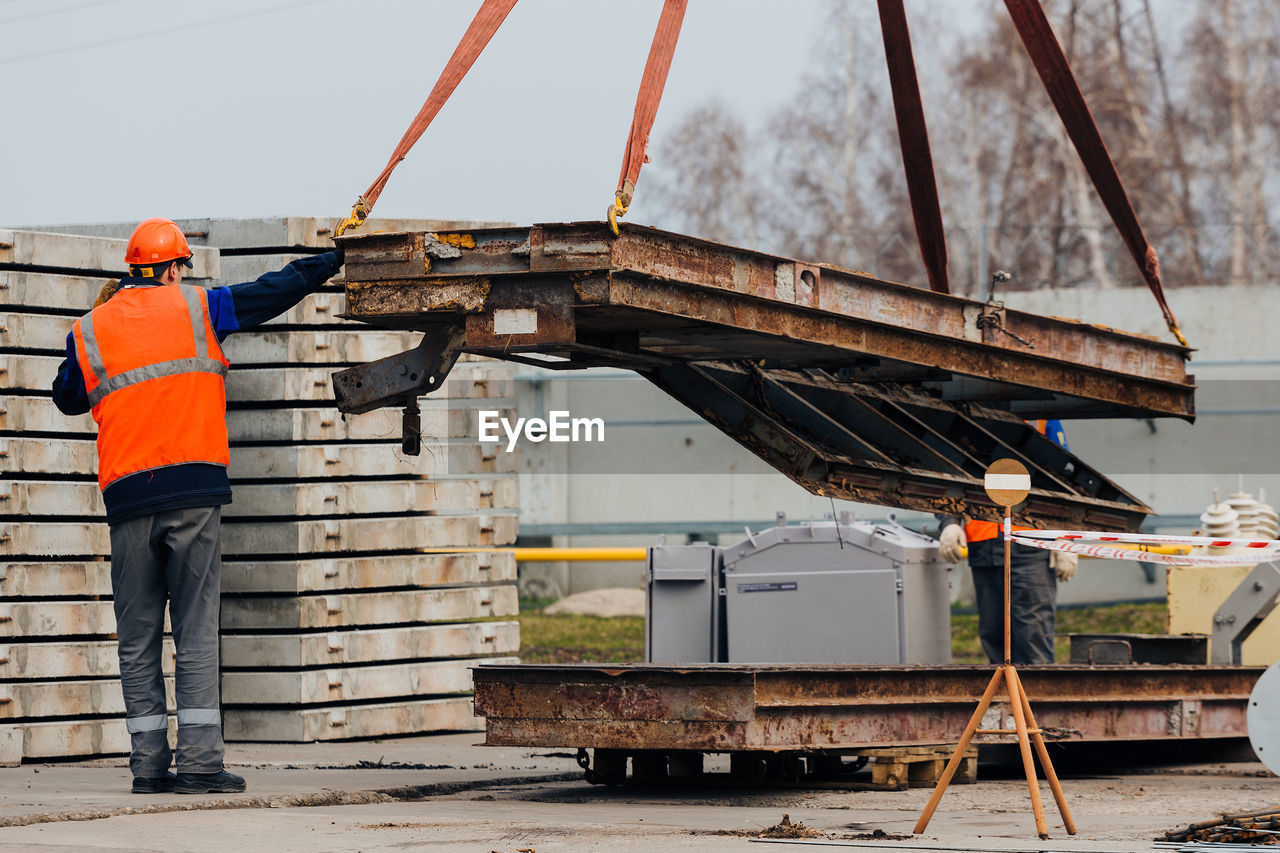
x,y
853,387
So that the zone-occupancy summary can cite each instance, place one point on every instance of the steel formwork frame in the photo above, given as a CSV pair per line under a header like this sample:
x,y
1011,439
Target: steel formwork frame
x,y
853,387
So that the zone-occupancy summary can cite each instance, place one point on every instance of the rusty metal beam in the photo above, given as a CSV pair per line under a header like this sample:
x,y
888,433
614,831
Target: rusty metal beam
x,y
718,708
692,299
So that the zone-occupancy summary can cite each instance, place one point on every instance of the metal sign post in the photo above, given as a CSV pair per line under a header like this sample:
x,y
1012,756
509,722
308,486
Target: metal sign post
x,y
1007,483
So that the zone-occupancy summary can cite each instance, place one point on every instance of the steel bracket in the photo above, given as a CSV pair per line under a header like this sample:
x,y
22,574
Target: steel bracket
x,y
399,380
1243,611
388,381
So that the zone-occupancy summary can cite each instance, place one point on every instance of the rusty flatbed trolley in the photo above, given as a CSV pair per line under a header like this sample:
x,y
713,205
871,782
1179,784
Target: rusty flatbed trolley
x,y
781,724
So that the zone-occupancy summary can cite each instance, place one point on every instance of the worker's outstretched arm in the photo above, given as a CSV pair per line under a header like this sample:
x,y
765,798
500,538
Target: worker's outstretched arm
x,y
69,394
243,306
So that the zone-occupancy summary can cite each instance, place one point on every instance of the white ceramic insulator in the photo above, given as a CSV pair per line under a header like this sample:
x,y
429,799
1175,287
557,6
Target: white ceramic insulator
x,y
1266,524
1246,512
1220,520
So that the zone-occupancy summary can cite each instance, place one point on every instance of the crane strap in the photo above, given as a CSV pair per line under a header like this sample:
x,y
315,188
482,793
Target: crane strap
x,y
486,22
913,136
1051,64
647,99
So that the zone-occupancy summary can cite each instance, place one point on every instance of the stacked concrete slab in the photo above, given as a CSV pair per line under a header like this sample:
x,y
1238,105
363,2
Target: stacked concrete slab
x,y
59,692
336,621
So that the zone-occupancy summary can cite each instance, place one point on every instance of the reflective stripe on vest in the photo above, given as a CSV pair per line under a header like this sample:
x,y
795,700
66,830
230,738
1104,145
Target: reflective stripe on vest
x,y
200,364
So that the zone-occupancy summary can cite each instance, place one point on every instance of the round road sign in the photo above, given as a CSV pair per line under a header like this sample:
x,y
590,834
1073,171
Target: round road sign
x,y
1007,482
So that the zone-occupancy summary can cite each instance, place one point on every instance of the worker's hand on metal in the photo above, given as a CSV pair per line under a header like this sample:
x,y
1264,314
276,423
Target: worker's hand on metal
x,y
952,543
108,290
1063,564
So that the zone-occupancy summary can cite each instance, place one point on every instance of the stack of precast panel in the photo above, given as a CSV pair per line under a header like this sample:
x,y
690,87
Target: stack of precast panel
x,y
59,687
352,603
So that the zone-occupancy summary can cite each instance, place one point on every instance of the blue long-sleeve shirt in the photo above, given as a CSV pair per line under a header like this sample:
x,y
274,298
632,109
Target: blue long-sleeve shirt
x,y
231,309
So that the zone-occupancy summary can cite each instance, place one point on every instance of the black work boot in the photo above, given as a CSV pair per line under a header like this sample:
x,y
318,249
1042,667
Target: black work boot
x,y
154,784
221,782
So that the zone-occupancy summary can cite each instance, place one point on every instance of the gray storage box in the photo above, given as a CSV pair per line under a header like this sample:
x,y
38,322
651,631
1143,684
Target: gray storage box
x,y
682,623
821,592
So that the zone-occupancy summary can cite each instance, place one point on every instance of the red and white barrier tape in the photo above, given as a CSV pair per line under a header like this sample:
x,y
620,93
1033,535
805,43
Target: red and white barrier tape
x,y
1149,539
1110,553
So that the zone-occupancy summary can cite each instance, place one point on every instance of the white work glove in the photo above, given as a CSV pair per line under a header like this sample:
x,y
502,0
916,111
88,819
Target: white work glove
x,y
951,542
1063,564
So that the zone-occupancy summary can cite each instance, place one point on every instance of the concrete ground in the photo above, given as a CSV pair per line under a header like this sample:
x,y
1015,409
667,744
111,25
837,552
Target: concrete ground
x,y
445,793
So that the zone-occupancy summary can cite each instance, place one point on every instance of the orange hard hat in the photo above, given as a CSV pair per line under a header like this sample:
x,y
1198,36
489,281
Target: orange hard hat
x,y
156,241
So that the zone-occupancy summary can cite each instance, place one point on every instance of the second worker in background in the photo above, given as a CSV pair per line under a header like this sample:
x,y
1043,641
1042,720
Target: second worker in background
x,y
1034,572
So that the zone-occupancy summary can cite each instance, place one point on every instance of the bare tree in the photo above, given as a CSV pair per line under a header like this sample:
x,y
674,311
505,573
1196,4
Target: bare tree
x,y
1232,47
702,181
1187,105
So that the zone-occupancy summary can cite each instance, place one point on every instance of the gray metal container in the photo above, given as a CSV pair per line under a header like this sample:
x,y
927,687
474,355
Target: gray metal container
x,y
819,592
682,624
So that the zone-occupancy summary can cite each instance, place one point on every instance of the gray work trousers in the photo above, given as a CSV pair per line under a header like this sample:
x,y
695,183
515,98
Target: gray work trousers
x,y
170,555
1032,601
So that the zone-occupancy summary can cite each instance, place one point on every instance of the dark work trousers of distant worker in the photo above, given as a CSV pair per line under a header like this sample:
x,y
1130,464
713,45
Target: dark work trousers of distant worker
x,y
1032,603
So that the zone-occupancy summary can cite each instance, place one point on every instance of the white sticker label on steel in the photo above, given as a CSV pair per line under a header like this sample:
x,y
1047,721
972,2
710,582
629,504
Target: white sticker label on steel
x,y
515,321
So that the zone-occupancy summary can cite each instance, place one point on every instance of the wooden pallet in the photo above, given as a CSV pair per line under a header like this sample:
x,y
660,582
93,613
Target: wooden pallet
x,y
898,768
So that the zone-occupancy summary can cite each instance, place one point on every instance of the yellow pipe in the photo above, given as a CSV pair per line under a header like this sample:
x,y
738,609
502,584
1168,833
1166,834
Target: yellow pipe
x,y
580,555
637,555
556,555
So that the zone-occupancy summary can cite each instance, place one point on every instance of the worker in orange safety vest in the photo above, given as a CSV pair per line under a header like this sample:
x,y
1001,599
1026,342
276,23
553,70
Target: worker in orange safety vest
x,y
1035,574
147,362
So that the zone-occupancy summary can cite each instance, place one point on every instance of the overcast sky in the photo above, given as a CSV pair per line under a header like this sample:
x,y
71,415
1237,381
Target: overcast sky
x,y
123,109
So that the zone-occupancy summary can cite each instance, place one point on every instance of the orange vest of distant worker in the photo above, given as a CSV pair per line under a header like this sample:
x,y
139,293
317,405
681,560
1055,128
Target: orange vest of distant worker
x,y
155,376
978,531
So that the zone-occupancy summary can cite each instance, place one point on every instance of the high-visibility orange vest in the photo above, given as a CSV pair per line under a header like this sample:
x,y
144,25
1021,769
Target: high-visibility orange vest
x,y
155,376
978,531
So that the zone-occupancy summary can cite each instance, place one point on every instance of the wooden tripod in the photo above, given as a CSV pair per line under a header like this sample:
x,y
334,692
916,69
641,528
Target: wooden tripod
x,y
1026,729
